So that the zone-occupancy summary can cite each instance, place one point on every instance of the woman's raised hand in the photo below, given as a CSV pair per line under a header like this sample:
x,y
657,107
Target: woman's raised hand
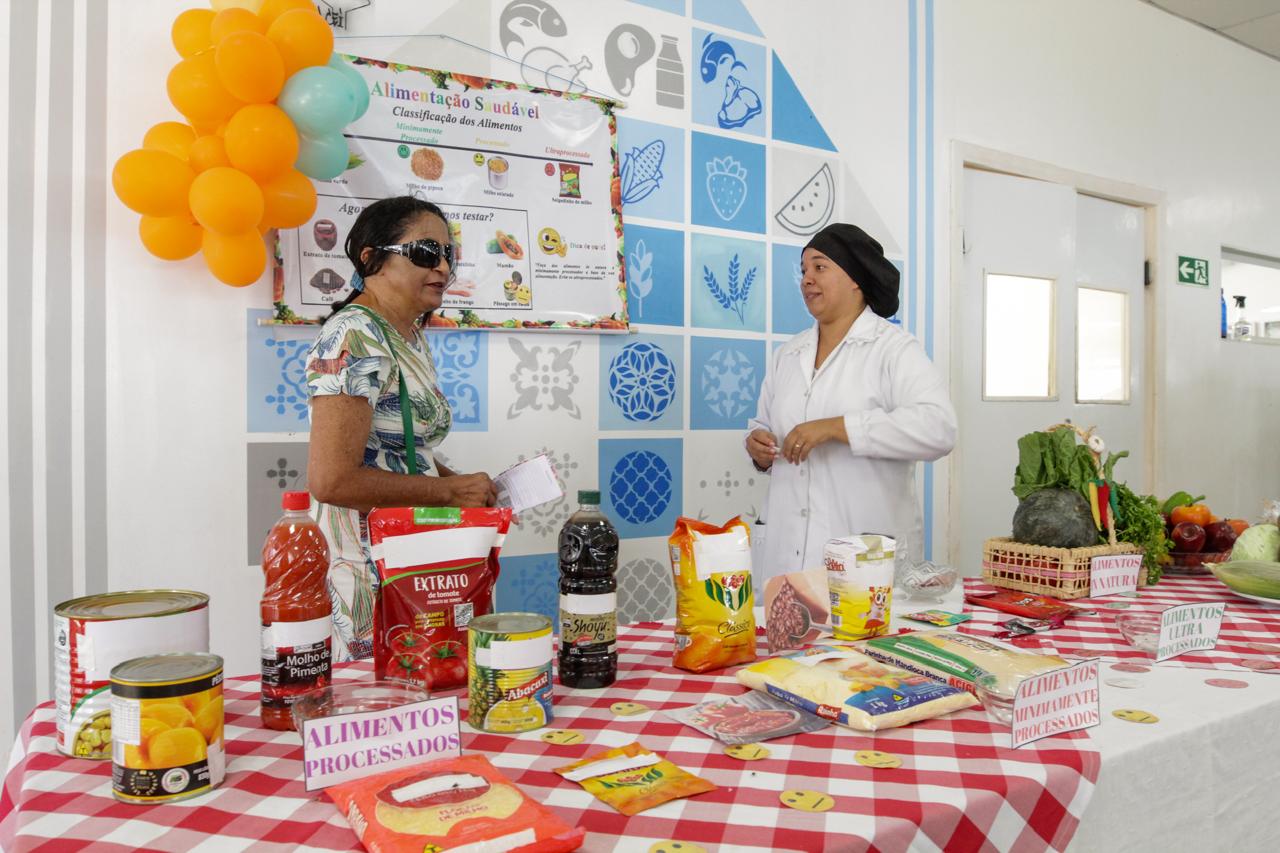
x,y
471,490
763,447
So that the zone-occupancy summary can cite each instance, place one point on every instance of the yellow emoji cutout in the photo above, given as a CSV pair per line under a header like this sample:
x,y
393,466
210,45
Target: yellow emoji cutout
x,y
524,295
628,709
747,751
477,158
876,758
561,736
1132,715
549,242
676,847
807,801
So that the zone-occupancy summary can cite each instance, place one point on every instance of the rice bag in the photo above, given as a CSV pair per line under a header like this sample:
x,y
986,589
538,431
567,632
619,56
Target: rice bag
x,y
631,778
437,568
448,804
958,659
840,683
711,567
860,576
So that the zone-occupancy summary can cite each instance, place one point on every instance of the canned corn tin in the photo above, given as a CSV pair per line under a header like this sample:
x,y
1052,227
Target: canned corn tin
x,y
509,672
94,633
166,714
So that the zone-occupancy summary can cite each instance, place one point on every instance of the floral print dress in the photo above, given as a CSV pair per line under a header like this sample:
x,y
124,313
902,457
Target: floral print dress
x,y
362,355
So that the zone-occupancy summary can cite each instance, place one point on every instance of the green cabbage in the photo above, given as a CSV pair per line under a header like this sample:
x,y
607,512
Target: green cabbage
x,y
1260,542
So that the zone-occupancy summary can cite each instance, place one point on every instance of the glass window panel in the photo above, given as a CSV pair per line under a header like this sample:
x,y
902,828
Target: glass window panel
x,y
1257,281
1018,340
1102,346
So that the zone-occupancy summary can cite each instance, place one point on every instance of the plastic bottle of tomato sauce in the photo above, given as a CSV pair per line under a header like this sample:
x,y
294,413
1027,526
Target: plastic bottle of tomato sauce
x,y
296,645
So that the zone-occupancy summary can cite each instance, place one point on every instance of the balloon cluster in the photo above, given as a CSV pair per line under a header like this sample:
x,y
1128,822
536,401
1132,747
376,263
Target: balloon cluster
x,y
265,102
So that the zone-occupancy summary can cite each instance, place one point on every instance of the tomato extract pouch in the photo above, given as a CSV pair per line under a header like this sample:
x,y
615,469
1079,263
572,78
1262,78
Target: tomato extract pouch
x,y
437,567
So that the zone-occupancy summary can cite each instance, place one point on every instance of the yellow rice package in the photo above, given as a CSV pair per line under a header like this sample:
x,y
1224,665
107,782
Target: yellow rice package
x,y
860,577
711,566
631,778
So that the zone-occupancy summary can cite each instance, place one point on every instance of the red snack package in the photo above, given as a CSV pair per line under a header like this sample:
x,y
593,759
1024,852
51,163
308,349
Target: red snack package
x,y
1023,604
447,804
438,568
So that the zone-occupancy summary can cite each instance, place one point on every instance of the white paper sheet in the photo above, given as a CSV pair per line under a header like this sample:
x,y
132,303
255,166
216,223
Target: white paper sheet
x,y
527,484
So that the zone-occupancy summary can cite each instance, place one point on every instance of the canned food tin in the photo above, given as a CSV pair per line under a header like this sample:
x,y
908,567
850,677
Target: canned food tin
x,y
93,634
166,713
509,672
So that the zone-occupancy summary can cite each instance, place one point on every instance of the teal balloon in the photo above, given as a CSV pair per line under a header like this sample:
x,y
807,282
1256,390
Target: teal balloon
x,y
355,80
319,100
322,157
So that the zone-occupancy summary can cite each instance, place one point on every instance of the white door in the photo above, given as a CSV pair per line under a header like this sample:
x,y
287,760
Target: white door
x,y
1048,328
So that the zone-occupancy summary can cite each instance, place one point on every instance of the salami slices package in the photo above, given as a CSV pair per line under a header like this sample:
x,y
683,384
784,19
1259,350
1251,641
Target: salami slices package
x,y
450,804
715,622
437,568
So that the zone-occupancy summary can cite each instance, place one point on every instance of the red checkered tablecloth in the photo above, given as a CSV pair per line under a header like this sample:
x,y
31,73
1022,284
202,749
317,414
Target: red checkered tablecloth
x,y
1249,639
959,787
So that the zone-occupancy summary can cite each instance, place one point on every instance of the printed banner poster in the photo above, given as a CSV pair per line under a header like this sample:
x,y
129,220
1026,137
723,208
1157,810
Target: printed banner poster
x,y
528,178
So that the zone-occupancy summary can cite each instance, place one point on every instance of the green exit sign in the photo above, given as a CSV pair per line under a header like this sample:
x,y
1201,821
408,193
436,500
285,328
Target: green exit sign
x,y
1193,271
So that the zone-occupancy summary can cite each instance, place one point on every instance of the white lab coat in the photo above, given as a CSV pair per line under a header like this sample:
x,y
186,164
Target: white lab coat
x,y
896,411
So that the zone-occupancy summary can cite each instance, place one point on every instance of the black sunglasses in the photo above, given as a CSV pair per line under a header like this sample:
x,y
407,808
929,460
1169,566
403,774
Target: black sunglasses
x,y
424,253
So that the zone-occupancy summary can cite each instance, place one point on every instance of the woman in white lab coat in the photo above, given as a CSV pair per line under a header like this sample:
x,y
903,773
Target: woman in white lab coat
x,y
847,409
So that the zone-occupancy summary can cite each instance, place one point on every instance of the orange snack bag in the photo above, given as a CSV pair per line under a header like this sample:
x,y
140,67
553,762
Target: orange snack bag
x,y
631,778
711,566
446,804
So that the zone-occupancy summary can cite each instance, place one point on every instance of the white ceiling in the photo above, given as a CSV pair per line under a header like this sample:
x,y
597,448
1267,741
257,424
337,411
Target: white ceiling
x,y
1255,23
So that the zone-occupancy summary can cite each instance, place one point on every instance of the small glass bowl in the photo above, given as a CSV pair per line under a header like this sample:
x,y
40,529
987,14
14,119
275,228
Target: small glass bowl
x,y
928,581
353,696
996,693
1140,630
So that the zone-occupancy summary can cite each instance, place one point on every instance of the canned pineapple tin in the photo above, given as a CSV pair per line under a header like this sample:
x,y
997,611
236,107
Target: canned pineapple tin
x,y
166,714
94,633
509,672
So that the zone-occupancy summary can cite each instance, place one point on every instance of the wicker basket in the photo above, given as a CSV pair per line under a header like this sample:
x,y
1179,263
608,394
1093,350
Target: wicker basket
x,y
1062,573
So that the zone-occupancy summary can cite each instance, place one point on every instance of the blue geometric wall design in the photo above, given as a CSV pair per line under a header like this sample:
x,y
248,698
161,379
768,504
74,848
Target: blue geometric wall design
x,y
655,275
789,312
725,13
792,119
462,369
642,382
651,162
728,80
726,183
728,283
641,481
529,584
724,382
276,381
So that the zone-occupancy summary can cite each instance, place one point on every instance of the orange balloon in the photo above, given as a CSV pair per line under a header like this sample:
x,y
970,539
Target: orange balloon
x,y
289,200
170,238
154,183
261,141
171,136
206,152
194,88
273,9
190,31
303,39
235,259
226,200
234,20
249,66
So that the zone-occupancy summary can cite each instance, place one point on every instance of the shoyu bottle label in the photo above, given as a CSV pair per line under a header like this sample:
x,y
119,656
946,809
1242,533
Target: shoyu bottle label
x,y
589,623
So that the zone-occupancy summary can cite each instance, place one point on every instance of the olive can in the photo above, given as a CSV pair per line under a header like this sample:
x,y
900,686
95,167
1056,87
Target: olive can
x,y
94,633
509,672
167,715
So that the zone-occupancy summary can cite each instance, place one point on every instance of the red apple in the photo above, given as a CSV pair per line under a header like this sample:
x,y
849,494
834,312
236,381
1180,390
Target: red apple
x,y
1219,537
1188,538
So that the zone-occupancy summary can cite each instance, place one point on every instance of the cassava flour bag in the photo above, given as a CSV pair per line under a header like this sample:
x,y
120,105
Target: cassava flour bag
x,y
860,577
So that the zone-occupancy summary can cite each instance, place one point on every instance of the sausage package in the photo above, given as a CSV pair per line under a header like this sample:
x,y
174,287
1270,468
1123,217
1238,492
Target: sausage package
x,y
841,684
711,566
449,804
437,567
860,575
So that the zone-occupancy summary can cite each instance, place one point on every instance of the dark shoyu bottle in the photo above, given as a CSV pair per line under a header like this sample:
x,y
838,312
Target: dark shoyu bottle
x,y
588,596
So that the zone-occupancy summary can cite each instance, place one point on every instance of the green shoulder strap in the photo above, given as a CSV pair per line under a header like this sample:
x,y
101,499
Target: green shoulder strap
x,y
406,409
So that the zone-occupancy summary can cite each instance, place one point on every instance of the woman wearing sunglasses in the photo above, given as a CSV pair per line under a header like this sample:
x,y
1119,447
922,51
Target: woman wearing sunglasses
x,y
376,408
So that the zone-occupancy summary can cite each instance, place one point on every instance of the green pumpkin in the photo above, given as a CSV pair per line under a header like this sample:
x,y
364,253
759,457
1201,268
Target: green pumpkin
x,y
1055,518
